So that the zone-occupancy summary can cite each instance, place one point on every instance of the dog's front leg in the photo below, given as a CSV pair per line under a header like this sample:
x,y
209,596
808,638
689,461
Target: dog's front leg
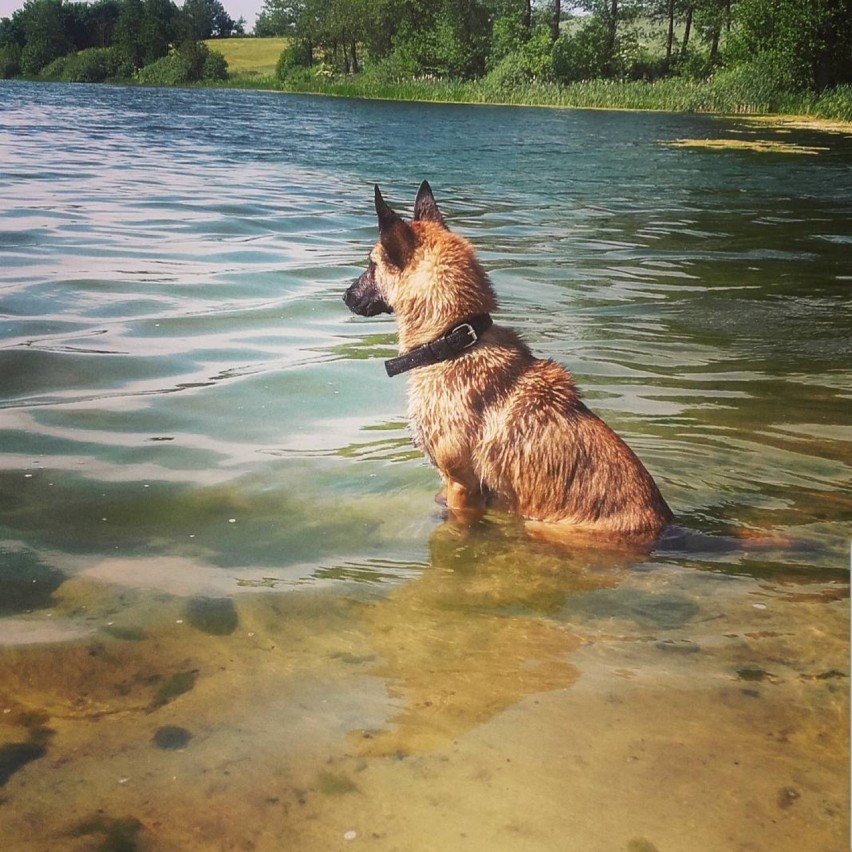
x,y
465,503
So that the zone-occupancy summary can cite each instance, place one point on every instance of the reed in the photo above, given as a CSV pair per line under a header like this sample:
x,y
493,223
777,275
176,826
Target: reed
x,y
723,94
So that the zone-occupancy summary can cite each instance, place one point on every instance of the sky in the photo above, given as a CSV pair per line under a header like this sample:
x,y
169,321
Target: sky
x,y
237,9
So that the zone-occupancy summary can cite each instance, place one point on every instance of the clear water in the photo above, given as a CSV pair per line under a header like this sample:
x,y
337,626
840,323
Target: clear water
x,y
231,616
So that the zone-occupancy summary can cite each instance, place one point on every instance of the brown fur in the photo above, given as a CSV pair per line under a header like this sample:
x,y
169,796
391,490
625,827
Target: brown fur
x,y
502,426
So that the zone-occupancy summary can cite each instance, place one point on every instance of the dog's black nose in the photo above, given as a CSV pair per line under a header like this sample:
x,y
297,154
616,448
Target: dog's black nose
x,y
361,299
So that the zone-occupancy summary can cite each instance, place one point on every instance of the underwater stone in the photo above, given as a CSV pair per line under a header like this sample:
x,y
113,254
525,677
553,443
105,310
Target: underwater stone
x,y
171,737
215,616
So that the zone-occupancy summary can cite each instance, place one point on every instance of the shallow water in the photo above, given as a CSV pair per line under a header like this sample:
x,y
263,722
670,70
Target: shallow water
x,y
231,616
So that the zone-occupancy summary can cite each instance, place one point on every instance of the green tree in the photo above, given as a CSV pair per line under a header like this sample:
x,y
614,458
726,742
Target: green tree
x,y
204,19
43,23
278,17
128,32
808,42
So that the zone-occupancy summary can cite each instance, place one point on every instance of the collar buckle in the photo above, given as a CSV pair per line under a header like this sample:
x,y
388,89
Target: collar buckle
x,y
469,330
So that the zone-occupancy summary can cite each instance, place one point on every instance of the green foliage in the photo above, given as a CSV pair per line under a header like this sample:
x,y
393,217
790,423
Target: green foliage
x,y
531,61
759,85
203,19
215,66
43,30
145,29
277,18
582,56
809,42
94,65
835,103
192,62
10,61
294,58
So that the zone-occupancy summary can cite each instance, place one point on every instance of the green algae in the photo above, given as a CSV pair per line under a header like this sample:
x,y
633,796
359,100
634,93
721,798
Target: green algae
x,y
173,687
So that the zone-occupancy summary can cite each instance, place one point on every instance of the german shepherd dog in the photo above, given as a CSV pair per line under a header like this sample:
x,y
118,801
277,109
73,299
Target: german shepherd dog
x,y
503,427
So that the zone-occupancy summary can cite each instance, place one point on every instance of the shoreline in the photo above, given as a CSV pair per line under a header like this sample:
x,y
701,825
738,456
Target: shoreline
x,y
791,120
782,120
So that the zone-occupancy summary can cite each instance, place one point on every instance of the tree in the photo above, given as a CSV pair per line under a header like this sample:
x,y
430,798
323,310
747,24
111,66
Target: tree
x,y
43,24
555,18
128,32
610,15
197,19
278,17
159,28
810,43
204,19
145,29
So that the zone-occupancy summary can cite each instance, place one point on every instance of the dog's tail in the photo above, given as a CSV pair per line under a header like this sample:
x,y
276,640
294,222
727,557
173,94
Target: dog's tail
x,y
732,540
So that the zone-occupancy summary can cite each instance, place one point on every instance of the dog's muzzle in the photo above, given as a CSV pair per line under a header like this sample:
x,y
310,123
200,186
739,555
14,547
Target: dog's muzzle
x,y
362,297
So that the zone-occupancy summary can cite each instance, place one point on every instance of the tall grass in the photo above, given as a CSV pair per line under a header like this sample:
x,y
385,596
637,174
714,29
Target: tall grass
x,y
724,94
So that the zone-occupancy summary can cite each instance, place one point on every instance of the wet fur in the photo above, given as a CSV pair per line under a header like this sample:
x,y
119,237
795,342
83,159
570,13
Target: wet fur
x,y
502,426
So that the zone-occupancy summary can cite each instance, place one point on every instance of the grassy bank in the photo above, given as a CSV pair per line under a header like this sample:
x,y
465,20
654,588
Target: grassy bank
x,y
672,95
251,64
250,57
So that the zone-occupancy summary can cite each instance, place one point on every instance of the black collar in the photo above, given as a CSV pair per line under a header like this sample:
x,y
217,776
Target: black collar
x,y
448,345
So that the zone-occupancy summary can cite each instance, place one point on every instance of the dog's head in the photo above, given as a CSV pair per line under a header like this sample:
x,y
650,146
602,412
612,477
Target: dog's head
x,y
419,270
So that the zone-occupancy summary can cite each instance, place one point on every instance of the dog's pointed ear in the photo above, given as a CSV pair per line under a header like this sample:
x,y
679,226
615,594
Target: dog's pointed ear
x,y
426,208
396,236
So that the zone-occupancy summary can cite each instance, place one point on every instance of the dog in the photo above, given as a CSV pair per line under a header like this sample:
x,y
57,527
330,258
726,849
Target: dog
x,y
503,428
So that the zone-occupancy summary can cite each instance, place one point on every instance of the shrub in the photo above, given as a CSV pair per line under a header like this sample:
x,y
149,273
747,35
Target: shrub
x,y
171,70
696,65
395,68
10,61
296,55
531,62
89,66
759,85
192,62
215,66
581,56
55,70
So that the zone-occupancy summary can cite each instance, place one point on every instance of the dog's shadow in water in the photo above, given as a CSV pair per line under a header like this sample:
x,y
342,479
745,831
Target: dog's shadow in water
x,y
475,633
483,626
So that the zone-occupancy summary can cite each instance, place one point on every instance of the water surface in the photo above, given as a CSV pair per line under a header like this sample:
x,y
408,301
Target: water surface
x,y
231,616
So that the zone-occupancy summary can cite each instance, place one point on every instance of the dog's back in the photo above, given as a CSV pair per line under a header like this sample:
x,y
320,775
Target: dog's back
x,y
515,427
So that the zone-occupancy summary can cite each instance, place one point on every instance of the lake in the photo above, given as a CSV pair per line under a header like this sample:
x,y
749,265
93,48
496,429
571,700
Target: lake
x,y
231,613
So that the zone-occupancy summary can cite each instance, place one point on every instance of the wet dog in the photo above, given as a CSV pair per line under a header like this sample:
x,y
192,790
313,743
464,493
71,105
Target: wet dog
x,y
503,427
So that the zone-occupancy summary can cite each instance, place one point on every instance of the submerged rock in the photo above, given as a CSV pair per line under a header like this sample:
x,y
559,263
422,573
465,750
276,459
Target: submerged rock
x,y
171,737
215,616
